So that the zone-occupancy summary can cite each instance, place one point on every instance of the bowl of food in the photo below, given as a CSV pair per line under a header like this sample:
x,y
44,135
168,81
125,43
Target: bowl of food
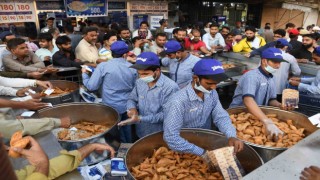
x,y
90,123
295,126
64,92
148,157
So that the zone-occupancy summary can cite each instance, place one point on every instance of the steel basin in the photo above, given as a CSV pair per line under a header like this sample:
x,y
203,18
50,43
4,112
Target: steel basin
x,y
73,96
96,113
298,119
206,139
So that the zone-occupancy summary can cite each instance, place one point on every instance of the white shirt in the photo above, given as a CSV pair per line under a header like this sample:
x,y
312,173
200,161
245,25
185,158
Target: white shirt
x,y
7,84
213,41
281,75
43,52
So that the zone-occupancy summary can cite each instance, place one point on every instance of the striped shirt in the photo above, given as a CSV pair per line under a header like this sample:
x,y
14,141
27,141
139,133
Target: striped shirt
x,y
256,84
181,71
151,102
188,110
117,81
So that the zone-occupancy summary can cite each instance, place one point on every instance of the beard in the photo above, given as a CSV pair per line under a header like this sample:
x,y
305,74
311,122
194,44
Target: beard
x,y
307,45
250,38
66,49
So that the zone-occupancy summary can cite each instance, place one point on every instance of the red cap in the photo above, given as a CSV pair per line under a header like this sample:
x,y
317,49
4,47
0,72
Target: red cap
x,y
294,32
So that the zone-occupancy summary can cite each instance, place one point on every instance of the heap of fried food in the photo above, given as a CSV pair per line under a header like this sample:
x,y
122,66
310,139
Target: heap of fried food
x,y
19,142
228,66
57,91
84,130
249,128
166,164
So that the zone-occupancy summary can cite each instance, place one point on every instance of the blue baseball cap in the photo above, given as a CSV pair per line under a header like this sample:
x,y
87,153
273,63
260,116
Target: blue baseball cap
x,y
317,51
146,60
119,47
210,68
273,54
172,46
282,42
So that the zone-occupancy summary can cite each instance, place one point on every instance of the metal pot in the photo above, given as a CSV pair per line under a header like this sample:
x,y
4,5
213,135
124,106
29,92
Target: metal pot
x,y
73,96
97,113
206,139
298,119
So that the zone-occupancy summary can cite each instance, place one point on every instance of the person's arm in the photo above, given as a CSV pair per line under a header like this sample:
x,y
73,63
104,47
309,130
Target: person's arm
x,y
173,122
12,65
275,103
64,61
13,74
295,69
310,88
308,80
8,91
32,104
133,98
253,108
93,83
204,49
31,126
16,82
165,61
261,49
137,51
36,61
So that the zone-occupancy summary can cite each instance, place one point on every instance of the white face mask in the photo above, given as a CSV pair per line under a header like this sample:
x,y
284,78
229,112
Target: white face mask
x,y
270,69
148,79
201,88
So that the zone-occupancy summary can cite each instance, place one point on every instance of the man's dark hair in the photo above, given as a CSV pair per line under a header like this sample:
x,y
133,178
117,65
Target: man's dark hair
x,y
267,24
144,22
290,25
250,28
46,36
68,28
161,34
4,39
123,29
180,29
281,32
162,21
214,25
135,39
225,27
13,43
62,40
299,28
86,30
195,30
312,36
230,34
175,30
109,35
267,27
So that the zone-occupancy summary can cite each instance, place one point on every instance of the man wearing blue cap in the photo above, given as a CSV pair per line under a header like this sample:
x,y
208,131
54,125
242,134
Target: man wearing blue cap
x,y
180,63
257,88
151,93
292,67
311,84
117,81
198,106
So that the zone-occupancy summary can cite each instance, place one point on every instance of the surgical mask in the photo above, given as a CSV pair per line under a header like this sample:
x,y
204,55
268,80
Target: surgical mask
x,y
271,69
147,79
201,88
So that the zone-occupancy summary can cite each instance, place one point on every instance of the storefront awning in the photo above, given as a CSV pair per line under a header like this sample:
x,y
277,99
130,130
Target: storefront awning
x,y
296,7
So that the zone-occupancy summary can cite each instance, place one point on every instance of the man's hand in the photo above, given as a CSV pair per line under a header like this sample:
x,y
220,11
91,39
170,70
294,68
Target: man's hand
x,y
33,104
287,108
294,83
22,92
45,84
35,75
138,43
65,122
134,119
36,156
272,129
47,58
84,70
132,112
310,173
236,143
51,70
89,148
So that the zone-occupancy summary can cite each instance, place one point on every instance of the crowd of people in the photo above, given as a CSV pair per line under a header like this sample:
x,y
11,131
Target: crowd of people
x,y
127,69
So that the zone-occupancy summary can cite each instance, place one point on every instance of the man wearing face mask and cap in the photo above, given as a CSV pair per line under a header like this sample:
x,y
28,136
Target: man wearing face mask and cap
x,y
257,88
149,96
198,106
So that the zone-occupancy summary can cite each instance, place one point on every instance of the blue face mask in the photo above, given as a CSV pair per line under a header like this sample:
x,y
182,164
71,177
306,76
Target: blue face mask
x,y
201,88
148,79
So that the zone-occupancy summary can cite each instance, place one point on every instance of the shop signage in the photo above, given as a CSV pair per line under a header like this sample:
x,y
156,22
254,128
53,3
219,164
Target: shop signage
x,y
116,5
88,8
17,11
50,5
148,7
154,21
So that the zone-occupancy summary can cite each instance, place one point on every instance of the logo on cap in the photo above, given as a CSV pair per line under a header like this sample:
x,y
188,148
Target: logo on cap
x,y
165,48
142,59
216,67
277,54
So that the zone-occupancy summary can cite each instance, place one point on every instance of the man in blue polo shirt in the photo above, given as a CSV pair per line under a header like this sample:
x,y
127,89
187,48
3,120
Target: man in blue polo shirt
x,y
117,81
257,88
148,98
198,106
180,63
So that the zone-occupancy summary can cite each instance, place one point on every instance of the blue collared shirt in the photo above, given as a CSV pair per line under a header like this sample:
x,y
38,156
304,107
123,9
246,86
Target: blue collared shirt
x,y
256,84
117,81
311,84
181,71
151,102
188,110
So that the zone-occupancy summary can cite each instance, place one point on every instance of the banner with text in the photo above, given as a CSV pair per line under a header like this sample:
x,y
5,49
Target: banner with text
x,y
17,11
88,8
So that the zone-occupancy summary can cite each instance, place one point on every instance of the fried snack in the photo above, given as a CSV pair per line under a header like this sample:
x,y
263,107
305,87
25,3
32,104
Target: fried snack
x,y
167,164
18,142
250,129
228,66
84,130
57,91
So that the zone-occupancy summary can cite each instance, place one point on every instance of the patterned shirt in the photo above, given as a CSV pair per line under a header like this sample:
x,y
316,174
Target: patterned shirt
x,y
181,71
188,110
151,102
117,81
256,84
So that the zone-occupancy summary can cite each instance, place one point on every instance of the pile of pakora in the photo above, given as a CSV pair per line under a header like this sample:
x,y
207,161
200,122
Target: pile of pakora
x,y
57,91
166,164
